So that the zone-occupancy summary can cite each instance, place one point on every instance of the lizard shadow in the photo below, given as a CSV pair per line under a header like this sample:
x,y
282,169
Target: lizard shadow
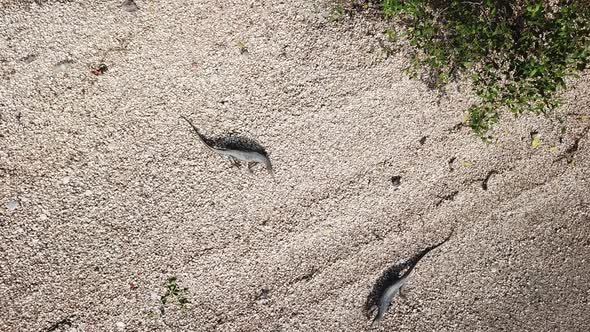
x,y
389,277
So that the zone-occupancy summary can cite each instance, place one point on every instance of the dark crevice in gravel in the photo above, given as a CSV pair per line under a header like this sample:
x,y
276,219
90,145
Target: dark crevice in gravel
x,y
448,197
484,184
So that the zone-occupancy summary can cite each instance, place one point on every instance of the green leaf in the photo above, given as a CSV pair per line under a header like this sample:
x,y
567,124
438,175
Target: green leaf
x,y
536,142
464,163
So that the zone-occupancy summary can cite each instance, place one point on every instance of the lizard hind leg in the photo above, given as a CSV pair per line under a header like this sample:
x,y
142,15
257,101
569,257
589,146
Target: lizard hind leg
x,y
249,167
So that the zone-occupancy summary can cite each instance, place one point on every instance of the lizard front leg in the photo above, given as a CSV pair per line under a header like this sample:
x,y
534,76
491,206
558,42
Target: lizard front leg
x,y
234,162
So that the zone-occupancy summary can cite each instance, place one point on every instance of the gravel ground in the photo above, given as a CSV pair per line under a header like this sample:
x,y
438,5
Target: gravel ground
x,y
106,194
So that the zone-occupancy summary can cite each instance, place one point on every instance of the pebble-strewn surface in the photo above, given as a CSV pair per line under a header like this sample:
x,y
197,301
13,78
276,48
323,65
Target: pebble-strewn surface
x,y
106,193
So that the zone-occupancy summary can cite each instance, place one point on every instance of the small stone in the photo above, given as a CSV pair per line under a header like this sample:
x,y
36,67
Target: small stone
x,y
120,326
42,217
64,64
130,6
396,181
12,204
264,294
65,180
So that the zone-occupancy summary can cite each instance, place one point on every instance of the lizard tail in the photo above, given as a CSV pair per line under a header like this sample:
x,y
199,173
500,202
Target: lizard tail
x,y
201,138
268,166
377,318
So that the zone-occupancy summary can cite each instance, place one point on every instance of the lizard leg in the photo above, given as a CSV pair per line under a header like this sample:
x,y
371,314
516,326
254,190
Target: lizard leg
x,y
234,162
249,167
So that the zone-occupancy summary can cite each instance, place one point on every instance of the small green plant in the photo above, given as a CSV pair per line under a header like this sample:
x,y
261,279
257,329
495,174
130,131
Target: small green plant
x,y
517,53
174,293
535,140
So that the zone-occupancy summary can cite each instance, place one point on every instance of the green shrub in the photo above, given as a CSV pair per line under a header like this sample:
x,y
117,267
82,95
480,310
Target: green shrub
x,y
517,53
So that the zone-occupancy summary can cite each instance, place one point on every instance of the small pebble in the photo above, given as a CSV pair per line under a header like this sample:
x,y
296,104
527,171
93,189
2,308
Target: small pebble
x,y
396,181
120,326
12,204
130,6
64,65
